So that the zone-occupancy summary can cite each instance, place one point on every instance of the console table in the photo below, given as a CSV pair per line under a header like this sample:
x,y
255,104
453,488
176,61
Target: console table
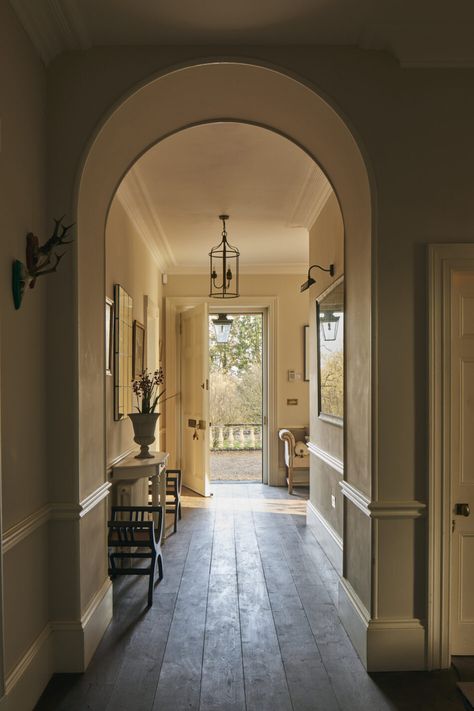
x,y
130,469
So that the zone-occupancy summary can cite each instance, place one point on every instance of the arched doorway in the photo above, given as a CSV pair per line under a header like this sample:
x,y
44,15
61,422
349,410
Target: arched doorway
x,y
178,99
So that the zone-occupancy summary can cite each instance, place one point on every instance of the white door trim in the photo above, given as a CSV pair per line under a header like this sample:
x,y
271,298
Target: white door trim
x,y
442,259
268,304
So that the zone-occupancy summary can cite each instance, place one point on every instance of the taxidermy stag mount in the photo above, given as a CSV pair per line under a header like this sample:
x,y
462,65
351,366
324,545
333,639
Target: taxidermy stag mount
x,y
40,260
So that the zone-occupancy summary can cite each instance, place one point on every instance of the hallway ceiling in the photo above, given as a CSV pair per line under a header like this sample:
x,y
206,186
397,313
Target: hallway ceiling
x,y
417,33
271,189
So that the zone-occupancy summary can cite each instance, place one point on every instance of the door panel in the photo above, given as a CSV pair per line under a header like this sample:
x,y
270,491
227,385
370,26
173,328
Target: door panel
x,y
195,398
462,461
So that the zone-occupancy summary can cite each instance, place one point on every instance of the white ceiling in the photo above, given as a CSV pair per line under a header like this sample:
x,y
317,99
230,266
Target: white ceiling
x,y
271,189
416,32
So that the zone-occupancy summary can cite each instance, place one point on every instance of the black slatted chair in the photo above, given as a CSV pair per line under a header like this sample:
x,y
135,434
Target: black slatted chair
x,y
133,528
173,495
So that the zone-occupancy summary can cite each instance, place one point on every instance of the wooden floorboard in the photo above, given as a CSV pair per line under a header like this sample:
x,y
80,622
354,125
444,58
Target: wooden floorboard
x,y
245,619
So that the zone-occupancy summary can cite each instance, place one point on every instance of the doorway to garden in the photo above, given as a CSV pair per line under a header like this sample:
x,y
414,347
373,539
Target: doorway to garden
x,y
237,402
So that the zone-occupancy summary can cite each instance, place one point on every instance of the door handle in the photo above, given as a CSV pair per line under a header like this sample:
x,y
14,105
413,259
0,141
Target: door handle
x,y
462,509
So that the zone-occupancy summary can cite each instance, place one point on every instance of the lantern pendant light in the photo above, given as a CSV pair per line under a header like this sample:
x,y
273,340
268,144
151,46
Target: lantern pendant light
x,y
222,326
224,267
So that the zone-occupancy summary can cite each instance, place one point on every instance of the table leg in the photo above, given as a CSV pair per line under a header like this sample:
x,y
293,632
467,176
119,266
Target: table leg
x,y
156,500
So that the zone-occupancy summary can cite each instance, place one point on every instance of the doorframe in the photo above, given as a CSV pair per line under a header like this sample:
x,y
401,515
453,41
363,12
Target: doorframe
x,y
442,260
269,306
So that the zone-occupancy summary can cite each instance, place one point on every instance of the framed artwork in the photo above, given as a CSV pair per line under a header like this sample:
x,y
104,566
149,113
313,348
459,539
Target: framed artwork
x,y
138,364
306,351
330,335
122,353
109,335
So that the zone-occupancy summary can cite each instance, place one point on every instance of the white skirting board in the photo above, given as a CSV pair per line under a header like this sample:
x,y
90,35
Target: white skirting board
x,y
328,539
26,682
75,642
61,647
382,644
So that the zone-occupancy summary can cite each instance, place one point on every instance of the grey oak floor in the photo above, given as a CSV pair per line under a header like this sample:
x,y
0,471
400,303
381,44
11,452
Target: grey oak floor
x,y
244,619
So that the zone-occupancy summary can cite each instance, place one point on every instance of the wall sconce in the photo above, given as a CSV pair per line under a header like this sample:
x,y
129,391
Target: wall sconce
x,y
222,326
310,281
224,266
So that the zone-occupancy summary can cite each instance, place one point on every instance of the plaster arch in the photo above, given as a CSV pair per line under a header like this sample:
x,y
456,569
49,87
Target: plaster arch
x,y
203,93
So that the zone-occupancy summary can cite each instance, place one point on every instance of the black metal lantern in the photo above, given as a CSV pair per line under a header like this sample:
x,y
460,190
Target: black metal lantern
x,y
329,322
224,267
222,326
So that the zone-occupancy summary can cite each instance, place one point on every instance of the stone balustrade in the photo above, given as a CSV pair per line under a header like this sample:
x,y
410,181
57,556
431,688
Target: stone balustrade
x,y
233,437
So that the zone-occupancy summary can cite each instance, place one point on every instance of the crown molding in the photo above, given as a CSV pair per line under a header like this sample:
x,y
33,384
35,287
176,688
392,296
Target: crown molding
x,y
52,26
298,268
311,199
135,199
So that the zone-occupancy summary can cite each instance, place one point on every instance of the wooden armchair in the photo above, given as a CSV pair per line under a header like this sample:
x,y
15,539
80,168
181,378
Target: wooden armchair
x,y
296,458
133,528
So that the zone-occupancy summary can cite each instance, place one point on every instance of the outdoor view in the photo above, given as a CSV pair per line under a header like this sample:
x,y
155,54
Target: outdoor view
x,y
331,353
235,393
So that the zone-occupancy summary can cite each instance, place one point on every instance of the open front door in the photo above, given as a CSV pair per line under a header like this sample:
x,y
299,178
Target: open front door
x,y
195,398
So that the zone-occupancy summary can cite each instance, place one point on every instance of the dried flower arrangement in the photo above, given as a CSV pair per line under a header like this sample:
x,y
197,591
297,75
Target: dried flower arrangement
x,y
147,390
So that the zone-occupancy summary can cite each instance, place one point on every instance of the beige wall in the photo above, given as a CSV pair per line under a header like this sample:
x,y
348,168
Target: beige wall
x,y
292,315
23,336
415,127
129,263
326,246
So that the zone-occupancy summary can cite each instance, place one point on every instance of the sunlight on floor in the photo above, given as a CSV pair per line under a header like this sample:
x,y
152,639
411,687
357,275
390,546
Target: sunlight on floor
x,y
292,507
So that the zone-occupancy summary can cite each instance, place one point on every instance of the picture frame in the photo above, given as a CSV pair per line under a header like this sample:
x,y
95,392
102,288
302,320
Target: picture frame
x,y
109,335
123,309
138,350
306,364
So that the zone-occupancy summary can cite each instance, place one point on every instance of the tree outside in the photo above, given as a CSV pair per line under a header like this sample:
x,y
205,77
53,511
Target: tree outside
x,y
235,399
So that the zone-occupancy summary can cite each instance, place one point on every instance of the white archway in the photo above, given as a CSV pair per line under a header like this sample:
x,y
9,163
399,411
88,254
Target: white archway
x,y
202,93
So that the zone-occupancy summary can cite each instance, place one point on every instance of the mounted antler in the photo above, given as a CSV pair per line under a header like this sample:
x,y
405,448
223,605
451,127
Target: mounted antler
x,y
39,259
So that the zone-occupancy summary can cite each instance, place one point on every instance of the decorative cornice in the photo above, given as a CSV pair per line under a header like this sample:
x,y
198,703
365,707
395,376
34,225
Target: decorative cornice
x,y
382,509
298,268
135,200
311,199
327,458
52,26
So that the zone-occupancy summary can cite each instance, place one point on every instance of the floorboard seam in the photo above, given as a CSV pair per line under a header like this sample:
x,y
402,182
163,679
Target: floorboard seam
x,y
273,617
238,605
309,624
171,623
207,607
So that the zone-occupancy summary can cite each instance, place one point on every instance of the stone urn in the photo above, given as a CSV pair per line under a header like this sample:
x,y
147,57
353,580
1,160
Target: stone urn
x,y
144,425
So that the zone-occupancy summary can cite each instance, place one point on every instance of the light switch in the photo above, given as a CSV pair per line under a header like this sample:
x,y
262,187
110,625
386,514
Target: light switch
x,y
333,501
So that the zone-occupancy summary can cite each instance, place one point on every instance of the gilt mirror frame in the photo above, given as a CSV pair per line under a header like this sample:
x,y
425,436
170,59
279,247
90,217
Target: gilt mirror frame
x,y
122,353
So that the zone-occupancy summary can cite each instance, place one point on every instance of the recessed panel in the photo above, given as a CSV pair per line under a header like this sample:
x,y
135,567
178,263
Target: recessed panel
x,y
467,316
466,606
467,422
